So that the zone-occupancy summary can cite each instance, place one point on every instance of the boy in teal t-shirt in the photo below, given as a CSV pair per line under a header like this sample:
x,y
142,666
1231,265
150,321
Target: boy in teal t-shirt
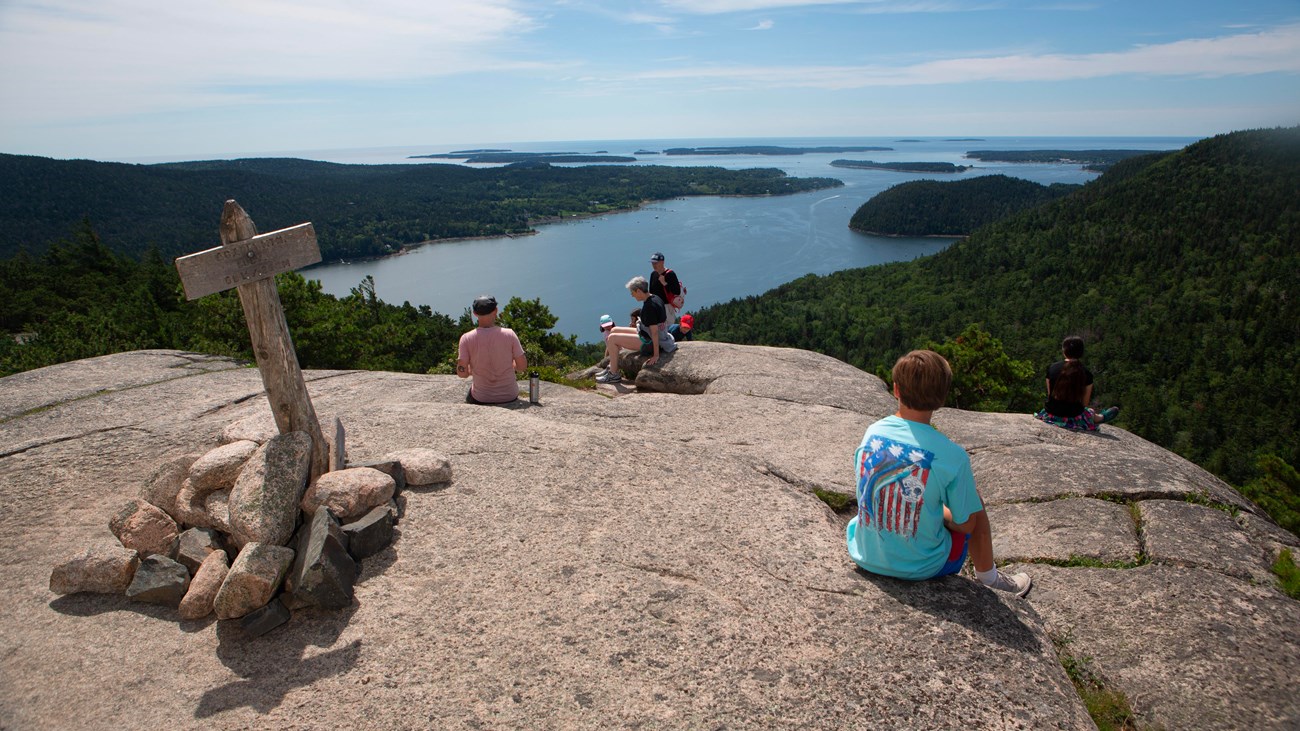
x,y
919,513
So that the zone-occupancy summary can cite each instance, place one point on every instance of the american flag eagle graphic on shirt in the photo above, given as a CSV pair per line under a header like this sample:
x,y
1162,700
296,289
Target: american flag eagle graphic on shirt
x,y
891,485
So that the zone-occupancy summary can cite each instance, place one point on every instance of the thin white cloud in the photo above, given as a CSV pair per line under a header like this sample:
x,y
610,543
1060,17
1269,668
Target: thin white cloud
x,y
131,56
717,7
714,7
926,6
763,25
1271,51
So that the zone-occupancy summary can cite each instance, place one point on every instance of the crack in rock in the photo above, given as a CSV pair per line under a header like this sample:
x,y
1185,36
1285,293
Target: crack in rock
x,y
68,438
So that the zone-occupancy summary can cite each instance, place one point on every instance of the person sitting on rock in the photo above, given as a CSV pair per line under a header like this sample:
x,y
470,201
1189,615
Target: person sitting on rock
x,y
650,337
1069,391
681,330
492,355
919,513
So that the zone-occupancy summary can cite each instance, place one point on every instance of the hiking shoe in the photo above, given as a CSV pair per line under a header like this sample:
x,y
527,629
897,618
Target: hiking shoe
x,y
1109,415
1017,584
609,377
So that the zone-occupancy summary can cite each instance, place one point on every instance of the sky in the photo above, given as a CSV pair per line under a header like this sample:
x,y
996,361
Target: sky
x,y
123,79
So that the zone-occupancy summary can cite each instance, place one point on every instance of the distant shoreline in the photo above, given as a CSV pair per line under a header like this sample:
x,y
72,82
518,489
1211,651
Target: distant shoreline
x,y
882,234
553,220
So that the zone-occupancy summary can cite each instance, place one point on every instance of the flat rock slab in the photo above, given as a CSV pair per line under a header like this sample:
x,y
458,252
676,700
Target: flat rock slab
x,y
1064,463
1184,534
654,561
1060,530
1190,648
55,384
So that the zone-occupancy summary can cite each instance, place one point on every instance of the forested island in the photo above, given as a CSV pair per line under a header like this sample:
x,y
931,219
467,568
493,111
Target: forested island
x,y
506,157
1181,270
902,167
1096,160
358,210
766,150
956,208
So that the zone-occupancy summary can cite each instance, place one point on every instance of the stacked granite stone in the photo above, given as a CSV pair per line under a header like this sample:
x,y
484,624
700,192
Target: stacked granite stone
x,y
294,544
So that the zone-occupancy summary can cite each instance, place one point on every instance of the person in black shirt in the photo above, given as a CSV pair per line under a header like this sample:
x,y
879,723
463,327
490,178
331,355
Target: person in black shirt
x,y
650,336
664,285
1069,391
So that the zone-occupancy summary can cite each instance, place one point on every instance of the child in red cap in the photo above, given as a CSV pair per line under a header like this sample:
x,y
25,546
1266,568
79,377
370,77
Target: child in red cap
x,y
681,330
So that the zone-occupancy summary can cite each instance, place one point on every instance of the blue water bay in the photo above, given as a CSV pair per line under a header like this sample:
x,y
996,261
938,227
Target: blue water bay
x,y
722,248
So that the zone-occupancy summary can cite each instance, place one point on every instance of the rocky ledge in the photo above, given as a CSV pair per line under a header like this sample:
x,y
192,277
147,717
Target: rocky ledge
x,y
659,559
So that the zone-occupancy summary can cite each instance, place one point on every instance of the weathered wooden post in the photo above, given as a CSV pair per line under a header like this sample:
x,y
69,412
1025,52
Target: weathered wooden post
x,y
249,262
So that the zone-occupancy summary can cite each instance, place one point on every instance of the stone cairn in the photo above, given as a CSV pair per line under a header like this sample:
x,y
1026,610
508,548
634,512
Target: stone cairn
x,y
295,544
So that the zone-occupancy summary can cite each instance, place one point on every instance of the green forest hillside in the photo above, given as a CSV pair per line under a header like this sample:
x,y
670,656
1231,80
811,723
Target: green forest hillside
x,y
955,208
358,210
1182,272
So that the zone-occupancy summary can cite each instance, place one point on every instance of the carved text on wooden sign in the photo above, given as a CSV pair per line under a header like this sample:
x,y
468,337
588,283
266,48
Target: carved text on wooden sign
x,y
241,262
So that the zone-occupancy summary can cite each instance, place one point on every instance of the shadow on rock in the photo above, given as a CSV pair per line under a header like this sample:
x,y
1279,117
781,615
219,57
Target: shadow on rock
x,y
377,564
964,602
273,665
86,604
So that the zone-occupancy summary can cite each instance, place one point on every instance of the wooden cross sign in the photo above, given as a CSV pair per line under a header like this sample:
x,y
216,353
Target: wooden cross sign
x,y
249,262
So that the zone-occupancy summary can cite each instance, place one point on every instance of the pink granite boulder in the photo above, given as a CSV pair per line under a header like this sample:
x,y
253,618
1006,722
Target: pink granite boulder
x,y
422,466
263,505
207,581
107,570
218,469
252,580
349,494
143,527
217,507
189,509
258,428
165,483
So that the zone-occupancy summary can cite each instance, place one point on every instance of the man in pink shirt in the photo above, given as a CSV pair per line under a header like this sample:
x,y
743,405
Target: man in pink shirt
x,y
492,355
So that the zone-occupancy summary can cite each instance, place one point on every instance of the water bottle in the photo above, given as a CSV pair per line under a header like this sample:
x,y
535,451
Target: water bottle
x,y
534,387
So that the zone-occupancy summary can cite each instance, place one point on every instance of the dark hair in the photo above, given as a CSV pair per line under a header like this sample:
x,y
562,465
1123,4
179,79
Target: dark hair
x,y
1070,383
1072,347
922,378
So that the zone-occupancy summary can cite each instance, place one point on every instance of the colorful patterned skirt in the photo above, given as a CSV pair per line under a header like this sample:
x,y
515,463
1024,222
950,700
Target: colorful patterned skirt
x,y
1082,422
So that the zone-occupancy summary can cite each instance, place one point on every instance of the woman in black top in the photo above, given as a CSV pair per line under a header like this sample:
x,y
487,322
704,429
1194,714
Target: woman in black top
x,y
1069,391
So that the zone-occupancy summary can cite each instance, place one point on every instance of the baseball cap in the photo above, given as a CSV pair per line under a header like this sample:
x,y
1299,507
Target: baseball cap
x,y
688,321
484,304
606,321
657,256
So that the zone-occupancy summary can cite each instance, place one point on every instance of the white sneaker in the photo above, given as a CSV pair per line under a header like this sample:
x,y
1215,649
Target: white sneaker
x,y
1017,584
609,377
